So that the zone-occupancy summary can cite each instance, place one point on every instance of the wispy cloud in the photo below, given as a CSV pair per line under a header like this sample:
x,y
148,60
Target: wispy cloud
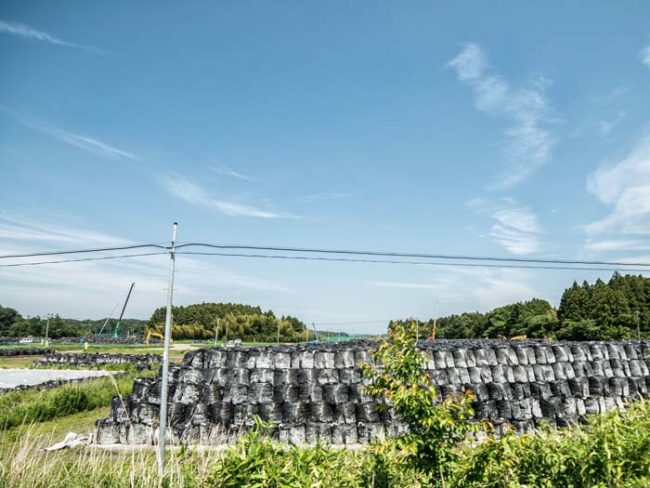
x,y
27,32
487,288
516,227
195,194
605,127
233,174
517,230
506,287
324,197
80,141
645,56
26,231
528,142
624,187
617,245
396,284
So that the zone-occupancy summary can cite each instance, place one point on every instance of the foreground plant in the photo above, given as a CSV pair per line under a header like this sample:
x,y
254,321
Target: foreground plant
x,y
435,427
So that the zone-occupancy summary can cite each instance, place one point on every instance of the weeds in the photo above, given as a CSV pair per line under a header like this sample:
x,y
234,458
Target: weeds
x,y
34,405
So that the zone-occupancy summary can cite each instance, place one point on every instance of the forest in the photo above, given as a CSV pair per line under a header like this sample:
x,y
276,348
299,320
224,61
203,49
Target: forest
x,y
230,321
617,309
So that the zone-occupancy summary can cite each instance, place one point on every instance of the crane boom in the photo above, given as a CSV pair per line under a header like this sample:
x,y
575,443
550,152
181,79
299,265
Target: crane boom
x,y
116,330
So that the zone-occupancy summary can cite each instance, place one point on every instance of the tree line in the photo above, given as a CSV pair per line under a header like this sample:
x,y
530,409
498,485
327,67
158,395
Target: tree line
x,y
13,324
617,309
230,321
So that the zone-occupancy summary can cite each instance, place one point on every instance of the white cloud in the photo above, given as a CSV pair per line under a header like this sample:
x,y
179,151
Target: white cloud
x,y
516,227
485,288
517,230
233,174
605,127
507,287
195,194
645,56
617,245
81,141
26,230
27,32
396,284
89,144
625,188
324,197
528,142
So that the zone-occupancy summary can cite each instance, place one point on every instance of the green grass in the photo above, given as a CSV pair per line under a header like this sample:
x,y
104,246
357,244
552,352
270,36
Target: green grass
x,y
29,406
18,361
47,433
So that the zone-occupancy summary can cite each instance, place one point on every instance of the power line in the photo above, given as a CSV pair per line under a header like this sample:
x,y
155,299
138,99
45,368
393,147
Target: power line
x,y
408,255
387,261
361,253
81,251
98,258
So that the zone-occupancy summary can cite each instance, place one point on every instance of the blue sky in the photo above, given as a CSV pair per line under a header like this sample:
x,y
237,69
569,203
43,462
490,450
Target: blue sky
x,y
504,129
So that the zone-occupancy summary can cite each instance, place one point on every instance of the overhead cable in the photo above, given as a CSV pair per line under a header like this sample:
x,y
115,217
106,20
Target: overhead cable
x,y
408,255
77,260
82,251
387,261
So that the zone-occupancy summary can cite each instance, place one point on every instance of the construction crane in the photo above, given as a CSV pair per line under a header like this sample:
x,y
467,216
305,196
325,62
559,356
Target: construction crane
x,y
116,330
110,316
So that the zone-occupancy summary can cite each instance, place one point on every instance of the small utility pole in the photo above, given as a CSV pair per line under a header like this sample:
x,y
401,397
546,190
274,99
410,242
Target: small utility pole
x,y
435,320
417,331
47,331
216,333
164,388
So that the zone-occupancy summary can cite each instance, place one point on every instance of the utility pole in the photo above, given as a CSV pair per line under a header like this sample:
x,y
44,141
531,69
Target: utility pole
x,y
164,388
417,331
435,320
216,333
47,330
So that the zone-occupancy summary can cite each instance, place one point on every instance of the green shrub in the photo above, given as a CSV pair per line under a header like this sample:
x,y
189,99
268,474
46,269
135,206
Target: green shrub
x,y
611,450
434,428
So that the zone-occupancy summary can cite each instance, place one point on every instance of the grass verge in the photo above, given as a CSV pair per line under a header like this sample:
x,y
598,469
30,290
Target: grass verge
x,y
29,406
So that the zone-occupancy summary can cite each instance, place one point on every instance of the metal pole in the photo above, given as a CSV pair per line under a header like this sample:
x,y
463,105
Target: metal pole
x,y
116,331
435,320
47,331
162,431
417,330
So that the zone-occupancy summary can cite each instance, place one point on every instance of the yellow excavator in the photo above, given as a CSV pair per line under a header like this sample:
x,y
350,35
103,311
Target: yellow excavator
x,y
153,333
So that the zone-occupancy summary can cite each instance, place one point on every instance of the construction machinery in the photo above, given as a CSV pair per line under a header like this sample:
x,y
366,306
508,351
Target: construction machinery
x,y
153,333
116,330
